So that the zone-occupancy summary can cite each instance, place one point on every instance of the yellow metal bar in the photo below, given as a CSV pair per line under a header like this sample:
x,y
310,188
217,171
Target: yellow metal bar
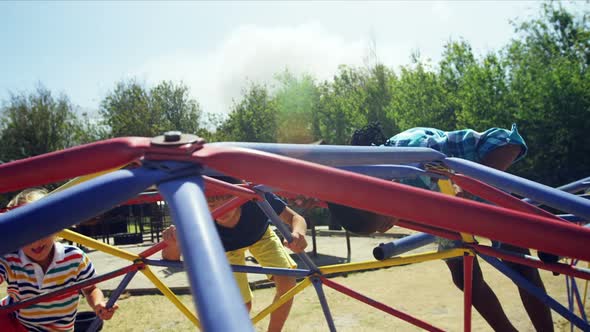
x,y
585,291
84,178
446,187
284,298
401,260
171,296
92,243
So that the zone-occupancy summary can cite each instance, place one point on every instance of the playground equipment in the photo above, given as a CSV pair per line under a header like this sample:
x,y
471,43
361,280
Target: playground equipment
x,y
179,164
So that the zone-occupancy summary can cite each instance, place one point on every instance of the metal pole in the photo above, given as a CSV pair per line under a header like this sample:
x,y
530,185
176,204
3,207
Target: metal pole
x,y
216,295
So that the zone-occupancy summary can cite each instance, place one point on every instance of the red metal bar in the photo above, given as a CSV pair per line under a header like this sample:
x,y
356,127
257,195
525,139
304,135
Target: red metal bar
x,y
219,186
394,199
309,203
467,291
531,261
153,249
70,289
213,187
230,205
145,199
72,162
379,305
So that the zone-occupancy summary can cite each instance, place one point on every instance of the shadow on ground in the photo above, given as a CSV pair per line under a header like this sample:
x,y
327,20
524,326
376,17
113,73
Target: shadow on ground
x,y
320,260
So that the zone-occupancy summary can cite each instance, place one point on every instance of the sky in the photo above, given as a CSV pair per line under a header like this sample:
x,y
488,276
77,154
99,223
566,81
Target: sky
x,y
217,49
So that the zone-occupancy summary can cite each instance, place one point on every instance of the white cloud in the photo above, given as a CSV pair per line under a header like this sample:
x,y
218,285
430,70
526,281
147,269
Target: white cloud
x,y
254,53
441,10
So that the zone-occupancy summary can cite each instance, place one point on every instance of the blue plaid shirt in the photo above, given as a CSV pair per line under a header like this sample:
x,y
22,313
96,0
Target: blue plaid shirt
x,y
466,144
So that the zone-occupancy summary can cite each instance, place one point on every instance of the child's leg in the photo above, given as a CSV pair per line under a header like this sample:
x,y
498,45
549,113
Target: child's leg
x,y
539,313
484,299
269,252
238,257
9,323
279,316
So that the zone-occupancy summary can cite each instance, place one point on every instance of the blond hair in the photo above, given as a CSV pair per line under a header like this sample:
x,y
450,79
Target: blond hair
x,y
27,196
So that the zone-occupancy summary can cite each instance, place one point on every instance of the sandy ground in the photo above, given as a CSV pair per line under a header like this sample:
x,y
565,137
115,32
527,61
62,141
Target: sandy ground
x,y
422,290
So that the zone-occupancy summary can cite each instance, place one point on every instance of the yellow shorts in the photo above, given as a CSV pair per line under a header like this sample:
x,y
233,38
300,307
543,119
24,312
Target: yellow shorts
x,y
268,251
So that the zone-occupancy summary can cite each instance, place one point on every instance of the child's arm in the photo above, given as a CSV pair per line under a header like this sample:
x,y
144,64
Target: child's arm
x,y
172,251
298,227
96,301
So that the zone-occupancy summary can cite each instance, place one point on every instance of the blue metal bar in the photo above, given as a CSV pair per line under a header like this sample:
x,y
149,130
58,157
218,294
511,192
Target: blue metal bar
x,y
274,218
387,172
579,299
215,292
571,188
113,298
73,205
165,263
343,155
317,284
571,218
238,268
538,192
576,186
570,303
390,171
521,281
394,248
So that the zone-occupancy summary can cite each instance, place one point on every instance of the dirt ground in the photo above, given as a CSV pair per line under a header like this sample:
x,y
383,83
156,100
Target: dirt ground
x,y
422,290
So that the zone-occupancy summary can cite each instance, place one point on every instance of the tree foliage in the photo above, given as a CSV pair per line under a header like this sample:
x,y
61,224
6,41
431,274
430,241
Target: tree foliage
x,y
296,100
550,83
36,123
253,119
133,110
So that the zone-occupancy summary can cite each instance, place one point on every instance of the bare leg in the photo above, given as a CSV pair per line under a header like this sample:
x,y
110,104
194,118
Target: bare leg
x,y
484,299
279,316
539,313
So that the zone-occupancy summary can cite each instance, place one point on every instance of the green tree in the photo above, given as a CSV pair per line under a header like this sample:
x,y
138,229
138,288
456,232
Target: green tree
x,y
457,60
296,99
133,110
379,86
253,119
127,112
341,106
483,97
36,123
419,99
550,84
178,110
89,129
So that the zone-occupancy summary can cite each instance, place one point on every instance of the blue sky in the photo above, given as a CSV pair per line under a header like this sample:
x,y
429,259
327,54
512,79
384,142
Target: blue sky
x,y
83,48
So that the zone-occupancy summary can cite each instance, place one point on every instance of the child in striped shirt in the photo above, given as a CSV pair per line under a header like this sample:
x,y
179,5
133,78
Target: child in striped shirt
x,y
41,267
